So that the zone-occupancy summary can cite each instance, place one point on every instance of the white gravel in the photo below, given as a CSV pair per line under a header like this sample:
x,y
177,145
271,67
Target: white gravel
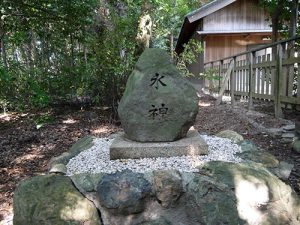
x,y
96,159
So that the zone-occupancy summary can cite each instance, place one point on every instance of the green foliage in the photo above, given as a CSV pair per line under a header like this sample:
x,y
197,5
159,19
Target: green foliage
x,y
191,50
284,9
168,17
43,119
210,74
54,51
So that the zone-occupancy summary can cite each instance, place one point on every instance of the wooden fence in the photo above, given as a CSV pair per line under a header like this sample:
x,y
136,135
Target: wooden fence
x,y
270,72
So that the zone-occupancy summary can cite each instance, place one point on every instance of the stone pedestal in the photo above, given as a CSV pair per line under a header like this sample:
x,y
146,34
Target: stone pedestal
x,y
192,145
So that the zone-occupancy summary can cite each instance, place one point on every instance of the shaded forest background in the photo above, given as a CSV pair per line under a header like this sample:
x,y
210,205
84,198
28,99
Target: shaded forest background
x,y
56,52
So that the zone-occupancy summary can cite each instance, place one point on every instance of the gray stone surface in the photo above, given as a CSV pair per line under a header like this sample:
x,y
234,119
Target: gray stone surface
x,y
275,132
168,186
82,144
230,134
247,145
262,157
86,182
159,104
221,193
58,168
296,146
283,171
160,221
123,148
123,192
288,135
297,128
211,202
52,199
232,193
290,127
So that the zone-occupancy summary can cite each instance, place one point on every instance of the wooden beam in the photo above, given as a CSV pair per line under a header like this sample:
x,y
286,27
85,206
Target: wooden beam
x,y
278,82
233,82
220,74
250,81
239,32
224,83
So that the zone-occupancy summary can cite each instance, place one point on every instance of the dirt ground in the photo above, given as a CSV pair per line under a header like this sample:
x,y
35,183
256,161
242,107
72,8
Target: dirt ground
x,y
29,140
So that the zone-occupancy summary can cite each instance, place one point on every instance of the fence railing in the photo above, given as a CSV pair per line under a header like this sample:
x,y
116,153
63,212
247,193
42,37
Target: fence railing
x,y
268,72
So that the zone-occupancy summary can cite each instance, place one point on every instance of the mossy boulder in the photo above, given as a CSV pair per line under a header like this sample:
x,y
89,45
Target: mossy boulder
x,y
52,200
230,134
230,193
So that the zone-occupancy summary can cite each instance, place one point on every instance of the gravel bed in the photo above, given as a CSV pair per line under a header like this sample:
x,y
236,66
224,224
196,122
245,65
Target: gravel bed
x,y
96,159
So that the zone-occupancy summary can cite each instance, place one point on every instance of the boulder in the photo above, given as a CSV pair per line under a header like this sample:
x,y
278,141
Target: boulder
x,y
58,168
123,192
230,134
220,193
211,202
262,157
160,221
283,171
252,154
296,146
56,164
168,186
242,192
159,104
86,182
275,132
297,128
52,199
290,127
247,145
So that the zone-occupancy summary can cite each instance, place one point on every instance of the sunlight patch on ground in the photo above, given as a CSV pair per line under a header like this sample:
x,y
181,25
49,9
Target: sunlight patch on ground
x,y
100,130
27,157
70,121
204,104
5,117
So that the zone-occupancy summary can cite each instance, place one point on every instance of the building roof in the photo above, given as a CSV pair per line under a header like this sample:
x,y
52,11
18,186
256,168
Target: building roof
x,y
207,9
191,20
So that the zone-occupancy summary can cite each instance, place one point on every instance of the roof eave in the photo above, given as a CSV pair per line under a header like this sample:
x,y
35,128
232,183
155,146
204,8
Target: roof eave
x,y
208,9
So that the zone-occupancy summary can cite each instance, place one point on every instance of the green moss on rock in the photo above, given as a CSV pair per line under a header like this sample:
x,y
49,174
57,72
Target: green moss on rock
x,y
52,200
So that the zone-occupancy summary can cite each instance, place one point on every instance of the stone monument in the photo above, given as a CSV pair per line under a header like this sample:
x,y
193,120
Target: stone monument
x,y
158,108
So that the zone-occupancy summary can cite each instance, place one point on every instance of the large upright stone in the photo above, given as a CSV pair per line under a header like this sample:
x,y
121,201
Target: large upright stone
x,y
159,104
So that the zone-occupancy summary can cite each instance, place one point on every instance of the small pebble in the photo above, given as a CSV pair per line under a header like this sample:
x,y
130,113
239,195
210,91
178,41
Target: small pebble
x,y
96,159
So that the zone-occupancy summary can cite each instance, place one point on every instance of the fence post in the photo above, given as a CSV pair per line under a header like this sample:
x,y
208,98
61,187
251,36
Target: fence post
x,y
220,72
232,82
278,82
251,59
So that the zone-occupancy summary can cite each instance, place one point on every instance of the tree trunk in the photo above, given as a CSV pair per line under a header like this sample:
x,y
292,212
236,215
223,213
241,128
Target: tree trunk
x,y
144,32
29,51
172,44
3,52
72,51
275,25
85,55
2,45
294,18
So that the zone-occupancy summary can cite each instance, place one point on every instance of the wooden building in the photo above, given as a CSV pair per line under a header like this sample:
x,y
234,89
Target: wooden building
x,y
225,27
